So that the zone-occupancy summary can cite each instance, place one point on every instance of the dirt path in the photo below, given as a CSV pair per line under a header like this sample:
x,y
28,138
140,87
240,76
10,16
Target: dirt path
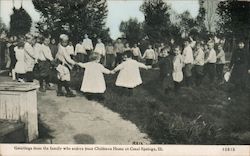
x,y
77,120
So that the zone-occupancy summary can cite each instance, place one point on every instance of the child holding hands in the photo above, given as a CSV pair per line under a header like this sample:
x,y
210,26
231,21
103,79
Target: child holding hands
x,y
129,76
93,83
63,75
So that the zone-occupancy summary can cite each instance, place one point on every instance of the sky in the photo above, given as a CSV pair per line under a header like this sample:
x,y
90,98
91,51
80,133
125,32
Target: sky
x,y
118,10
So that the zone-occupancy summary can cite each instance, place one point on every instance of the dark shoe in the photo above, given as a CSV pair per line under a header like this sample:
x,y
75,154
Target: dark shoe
x,y
100,98
89,97
70,94
60,94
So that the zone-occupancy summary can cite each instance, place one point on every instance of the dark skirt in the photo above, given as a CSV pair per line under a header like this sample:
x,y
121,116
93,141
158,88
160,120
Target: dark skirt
x,y
239,74
110,60
163,70
44,68
118,58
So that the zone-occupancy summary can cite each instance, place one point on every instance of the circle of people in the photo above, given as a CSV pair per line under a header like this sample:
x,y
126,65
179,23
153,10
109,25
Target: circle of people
x,y
39,53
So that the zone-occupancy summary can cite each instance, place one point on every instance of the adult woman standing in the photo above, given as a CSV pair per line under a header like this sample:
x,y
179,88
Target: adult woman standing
x,y
239,65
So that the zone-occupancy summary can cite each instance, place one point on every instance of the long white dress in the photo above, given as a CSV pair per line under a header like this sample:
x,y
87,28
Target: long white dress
x,y
178,65
129,75
63,73
93,79
20,67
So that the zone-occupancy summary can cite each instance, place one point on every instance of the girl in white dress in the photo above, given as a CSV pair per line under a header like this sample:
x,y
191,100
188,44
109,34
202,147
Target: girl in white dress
x,y
20,67
178,64
129,76
93,84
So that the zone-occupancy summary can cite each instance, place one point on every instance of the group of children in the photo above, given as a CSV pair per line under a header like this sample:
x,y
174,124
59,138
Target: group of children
x,y
203,59
34,55
42,55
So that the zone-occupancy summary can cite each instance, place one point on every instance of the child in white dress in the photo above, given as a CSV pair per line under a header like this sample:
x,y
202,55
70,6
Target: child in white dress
x,y
129,76
20,67
63,75
93,84
178,64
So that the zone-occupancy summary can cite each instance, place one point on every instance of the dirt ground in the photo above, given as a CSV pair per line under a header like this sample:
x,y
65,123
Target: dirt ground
x,y
79,121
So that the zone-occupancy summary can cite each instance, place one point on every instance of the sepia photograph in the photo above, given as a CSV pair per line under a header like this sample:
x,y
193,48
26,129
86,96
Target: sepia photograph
x,y
125,72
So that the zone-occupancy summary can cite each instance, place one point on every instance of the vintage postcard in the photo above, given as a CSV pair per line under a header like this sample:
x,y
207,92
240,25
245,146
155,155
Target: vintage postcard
x,y
124,77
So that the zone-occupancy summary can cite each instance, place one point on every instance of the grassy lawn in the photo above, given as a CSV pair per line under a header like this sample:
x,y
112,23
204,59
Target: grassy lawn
x,y
198,115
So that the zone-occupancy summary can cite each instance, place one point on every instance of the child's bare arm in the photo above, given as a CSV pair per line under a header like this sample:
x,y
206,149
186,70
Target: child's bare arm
x,y
149,67
119,67
81,64
105,70
144,55
141,65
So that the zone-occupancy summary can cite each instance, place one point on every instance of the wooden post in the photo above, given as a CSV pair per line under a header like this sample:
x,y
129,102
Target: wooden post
x,y
18,101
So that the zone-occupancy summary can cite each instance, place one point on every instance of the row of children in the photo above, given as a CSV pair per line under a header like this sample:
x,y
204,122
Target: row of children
x,y
198,60
112,54
33,54
191,64
31,58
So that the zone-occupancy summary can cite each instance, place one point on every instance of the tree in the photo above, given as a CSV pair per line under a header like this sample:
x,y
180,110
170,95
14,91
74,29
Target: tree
x,y
158,26
75,17
132,30
234,20
211,16
200,21
20,22
187,24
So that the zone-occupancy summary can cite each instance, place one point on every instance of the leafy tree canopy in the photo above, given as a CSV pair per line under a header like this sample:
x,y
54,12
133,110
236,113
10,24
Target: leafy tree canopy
x,y
75,17
20,22
132,30
234,18
158,26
